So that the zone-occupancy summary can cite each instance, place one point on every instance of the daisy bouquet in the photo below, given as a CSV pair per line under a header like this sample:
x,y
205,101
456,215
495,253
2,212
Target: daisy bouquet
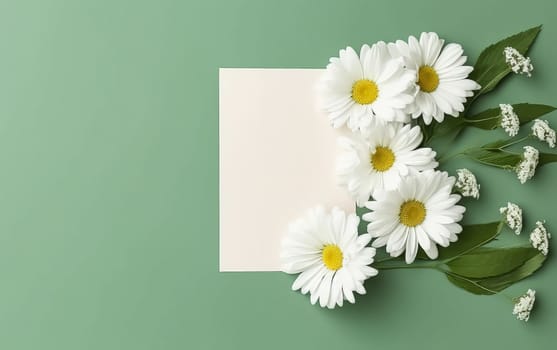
x,y
398,99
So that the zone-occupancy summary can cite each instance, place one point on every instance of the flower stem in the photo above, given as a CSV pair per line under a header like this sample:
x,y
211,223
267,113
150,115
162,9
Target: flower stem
x,y
403,265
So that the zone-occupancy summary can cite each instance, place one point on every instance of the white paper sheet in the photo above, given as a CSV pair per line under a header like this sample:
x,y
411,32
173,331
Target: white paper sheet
x,y
276,160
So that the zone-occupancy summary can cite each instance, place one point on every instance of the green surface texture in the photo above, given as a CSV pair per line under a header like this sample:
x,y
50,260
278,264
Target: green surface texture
x,y
109,178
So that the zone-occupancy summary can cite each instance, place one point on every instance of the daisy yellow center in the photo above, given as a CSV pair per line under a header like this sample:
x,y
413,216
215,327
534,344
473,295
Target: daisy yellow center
x,y
412,213
428,80
383,159
332,257
364,91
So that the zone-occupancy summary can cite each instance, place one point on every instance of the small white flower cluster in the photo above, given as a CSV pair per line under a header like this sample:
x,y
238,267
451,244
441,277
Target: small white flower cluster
x,y
543,132
540,238
524,305
509,120
526,169
466,184
513,217
518,63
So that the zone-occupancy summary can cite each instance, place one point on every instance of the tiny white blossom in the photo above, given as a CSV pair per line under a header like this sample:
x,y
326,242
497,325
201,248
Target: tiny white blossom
x,y
509,120
466,184
513,217
524,306
526,169
540,238
518,63
542,131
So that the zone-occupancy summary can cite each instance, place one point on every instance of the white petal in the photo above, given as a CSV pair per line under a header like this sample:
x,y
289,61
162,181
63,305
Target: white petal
x,y
411,246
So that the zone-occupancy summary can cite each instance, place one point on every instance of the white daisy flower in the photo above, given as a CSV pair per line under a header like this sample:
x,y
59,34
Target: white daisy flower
x,y
355,90
524,305
513,217
518,63
540,238
421,211
467,184
377,158
543,132
330,257
526,169
509,120
441,76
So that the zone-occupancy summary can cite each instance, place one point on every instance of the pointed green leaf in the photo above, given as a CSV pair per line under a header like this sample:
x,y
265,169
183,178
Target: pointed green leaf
x,y
492,285
494,157
491,155
528,268
489,262
526,112
491,66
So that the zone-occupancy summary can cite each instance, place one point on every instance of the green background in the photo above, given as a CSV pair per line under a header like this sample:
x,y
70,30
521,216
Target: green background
x,y
109,178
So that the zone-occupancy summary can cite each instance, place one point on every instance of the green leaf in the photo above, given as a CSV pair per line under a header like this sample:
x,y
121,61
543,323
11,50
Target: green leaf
x,y
546,158
528,268
471,237
526,112
495,157
491,154
492,285
489,262
491,67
